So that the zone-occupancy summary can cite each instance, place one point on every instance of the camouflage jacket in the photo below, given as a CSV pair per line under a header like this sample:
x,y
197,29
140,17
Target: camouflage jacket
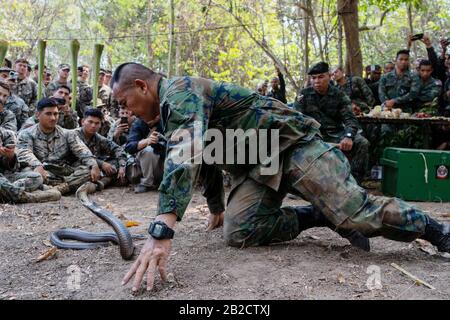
x,y
7,137
84,94
17,106
26,89
8,120
403,89
192,105
359,92
59,147
104,93
103,149
69,121
333,111
429,90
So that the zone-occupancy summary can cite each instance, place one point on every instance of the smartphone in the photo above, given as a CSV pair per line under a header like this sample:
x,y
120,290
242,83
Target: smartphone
x,y
123,120
417,36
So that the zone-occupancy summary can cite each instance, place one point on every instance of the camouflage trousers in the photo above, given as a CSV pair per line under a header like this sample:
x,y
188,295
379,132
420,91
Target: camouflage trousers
x,y
12,185
74,176
320,174
358,156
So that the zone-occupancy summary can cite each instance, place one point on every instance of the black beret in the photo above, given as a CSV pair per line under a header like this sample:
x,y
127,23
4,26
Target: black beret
x,y
49,102
321,67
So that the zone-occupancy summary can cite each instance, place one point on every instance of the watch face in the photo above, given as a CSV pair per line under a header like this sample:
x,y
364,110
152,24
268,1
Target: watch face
x,y
157,230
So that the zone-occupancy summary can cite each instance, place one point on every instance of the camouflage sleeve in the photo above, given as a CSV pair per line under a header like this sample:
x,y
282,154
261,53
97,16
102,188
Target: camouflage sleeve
x,y
25,112
79,149
184,147
114,151
413,92
10,122
25,148
348,118
71,120
366,92
382,94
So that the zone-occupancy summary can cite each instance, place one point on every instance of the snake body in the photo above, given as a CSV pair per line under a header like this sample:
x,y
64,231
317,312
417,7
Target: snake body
x,y
92,240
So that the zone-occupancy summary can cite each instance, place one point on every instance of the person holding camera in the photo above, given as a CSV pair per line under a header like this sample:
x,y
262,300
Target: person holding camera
x,y
120,129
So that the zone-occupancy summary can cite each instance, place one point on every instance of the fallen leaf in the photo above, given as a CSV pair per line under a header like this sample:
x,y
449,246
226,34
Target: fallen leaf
x,y
425,246
47,254
47,243
447,215
132,223
341,278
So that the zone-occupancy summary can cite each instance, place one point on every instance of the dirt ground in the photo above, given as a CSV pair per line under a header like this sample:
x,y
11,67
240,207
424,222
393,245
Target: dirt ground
x,y
317,265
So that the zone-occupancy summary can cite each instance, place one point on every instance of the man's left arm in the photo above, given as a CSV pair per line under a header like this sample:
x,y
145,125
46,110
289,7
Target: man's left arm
x,y
282,86
367,93
348,118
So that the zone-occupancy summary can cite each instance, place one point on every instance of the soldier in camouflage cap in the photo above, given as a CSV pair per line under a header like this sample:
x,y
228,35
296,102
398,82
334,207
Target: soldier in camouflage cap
x,y
7,118
52,151
84,99
309,167
332,108
63,79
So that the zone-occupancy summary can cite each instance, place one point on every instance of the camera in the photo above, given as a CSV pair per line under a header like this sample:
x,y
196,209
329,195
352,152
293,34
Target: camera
x,y
417,36
123,120
13,75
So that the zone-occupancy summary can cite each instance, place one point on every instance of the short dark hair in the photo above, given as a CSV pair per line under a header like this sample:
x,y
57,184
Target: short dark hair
x,y
63,86
21,60
29,68
49,103
403,51
425,62
80,68
36,67
134,71
8,63
94,112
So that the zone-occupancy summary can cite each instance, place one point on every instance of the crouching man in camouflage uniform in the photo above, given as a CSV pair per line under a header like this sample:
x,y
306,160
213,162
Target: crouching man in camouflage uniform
x,y
18,186
308,167
51,151
111,158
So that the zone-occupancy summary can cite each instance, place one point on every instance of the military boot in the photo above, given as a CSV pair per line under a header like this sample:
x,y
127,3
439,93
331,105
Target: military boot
x,y
40,196
438,234
308,217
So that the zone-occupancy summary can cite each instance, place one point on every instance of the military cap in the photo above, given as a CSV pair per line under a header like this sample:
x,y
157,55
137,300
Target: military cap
x,y
49,102
5,69
320,67
63,66
102,71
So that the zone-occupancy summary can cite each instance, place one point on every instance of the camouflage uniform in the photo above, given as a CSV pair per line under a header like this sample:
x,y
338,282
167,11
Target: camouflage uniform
x,y
26,89
14,183
428,97
334,113
8,120
17,106
104,93
84,100
359,92
104,149
403,89
316,170
57,153
122,140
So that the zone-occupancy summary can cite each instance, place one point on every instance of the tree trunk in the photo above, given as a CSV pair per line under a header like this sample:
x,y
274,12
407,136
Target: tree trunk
x,y
171,31
149,30
340,43
411,29
348,11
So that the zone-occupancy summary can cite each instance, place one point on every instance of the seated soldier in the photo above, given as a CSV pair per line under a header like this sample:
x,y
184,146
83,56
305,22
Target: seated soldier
x,y
356,89
67,117
7,118
430,89
18,186
147,167
333,110
107,121
111,158
52,151
14,103
120,129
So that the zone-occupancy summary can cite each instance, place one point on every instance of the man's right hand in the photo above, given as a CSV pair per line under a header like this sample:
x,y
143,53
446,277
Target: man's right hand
x,y
427,41
123,127
42,172
108,168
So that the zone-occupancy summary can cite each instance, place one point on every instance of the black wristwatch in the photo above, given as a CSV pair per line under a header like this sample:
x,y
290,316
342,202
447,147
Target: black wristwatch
x,y
349,135
159,230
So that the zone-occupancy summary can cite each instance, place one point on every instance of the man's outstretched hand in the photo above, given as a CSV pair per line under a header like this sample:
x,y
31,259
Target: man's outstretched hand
x,y
153,256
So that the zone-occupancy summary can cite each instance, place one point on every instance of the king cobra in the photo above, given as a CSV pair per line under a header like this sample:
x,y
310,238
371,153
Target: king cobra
x,y
93,240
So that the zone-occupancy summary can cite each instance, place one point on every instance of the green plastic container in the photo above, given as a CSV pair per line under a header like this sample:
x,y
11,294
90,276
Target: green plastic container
x,y
416,175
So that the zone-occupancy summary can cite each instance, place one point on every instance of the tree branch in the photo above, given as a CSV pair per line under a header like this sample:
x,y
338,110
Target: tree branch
x,y
368,28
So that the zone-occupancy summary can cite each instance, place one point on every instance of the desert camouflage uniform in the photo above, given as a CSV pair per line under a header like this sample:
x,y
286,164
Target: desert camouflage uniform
x,y
26,89
57,152
69,121
17,106
8,120
84,100
309,167
104,93
334,113
53,86
12,182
